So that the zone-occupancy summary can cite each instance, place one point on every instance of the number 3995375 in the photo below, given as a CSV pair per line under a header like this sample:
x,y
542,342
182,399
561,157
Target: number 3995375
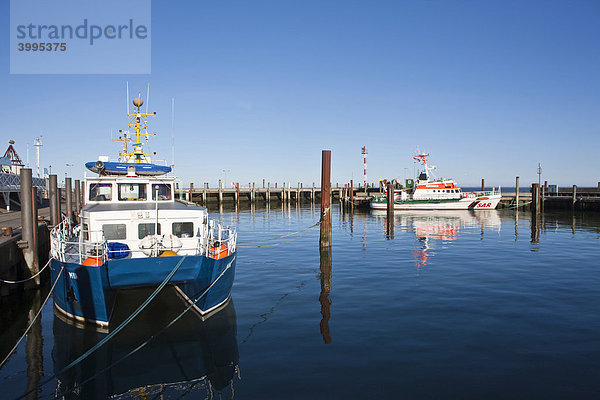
x,y
26,46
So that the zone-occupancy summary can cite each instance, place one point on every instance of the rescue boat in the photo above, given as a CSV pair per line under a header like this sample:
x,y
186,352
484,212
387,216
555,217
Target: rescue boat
x,y
425,193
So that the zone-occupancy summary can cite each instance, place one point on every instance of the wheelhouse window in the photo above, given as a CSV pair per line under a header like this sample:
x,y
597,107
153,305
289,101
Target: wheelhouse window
x,y
132,191
100,192
114,231
163,190
183,229
86,231
147,229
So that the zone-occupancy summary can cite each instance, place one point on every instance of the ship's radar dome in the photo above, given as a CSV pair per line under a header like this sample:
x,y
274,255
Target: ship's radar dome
x,y
138,102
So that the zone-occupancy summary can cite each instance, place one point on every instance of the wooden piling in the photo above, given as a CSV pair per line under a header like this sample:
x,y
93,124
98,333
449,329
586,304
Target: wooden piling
x,y
191,192
58,204
482,184
220,192
77,201
535,198
390,211
325,237
28,241
312,194
69,199
253,193
351,192
268,196
237,193
574,194
53,194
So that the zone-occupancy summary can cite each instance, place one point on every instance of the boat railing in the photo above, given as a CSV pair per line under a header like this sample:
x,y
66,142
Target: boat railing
x,y
67,244
75,244
481,193
220,235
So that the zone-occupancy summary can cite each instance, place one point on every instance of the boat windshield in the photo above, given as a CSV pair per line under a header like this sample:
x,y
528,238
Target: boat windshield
x,y
132,191
163,190
100,192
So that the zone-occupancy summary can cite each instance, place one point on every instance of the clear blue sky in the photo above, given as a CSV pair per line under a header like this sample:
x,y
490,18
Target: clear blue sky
x,y
488,88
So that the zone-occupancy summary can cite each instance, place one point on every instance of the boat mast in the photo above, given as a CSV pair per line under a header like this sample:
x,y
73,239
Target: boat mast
x,y
422,157
137,123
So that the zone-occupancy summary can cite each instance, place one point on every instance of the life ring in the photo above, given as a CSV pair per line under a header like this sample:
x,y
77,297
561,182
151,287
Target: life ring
x,y
171,242
149,245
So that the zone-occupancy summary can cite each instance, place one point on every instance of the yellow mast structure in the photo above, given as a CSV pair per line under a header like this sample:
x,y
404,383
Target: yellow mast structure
x,y
136,123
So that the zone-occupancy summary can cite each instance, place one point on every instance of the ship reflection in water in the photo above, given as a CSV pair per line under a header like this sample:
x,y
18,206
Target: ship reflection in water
x,y
192,357
433,228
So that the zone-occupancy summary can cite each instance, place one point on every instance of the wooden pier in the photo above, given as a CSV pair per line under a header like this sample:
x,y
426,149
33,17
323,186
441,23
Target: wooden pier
x,y
268,194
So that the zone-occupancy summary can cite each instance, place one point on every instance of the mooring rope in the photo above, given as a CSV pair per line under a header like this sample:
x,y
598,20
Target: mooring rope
x,y
281,236
34,318
520,205
111,334
280,243
28,279
154,336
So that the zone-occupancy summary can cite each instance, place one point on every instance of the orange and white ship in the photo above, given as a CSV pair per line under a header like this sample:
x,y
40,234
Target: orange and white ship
x,y
437,194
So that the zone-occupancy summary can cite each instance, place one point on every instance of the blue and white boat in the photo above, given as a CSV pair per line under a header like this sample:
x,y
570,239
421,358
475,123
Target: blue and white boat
x,y
133,233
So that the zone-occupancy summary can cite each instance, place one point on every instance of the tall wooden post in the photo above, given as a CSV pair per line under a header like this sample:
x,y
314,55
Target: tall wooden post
x,y
312,195
517,192
351,192
77,200
535,198
237,193
482,184
220,192
390,211
268,196
53,194
69,199
191,192
253,193
325,238
58,204
574,194
29,225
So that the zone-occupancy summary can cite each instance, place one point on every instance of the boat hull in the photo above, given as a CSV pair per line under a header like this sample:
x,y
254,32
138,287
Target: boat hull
x,y
87,293
488,202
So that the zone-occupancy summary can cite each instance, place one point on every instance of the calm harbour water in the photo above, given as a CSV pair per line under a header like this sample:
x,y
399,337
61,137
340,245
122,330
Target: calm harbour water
x,y
486,304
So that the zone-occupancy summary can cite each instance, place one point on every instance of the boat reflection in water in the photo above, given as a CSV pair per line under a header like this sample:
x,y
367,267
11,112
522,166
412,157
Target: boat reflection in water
x,y
434,227
193,356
